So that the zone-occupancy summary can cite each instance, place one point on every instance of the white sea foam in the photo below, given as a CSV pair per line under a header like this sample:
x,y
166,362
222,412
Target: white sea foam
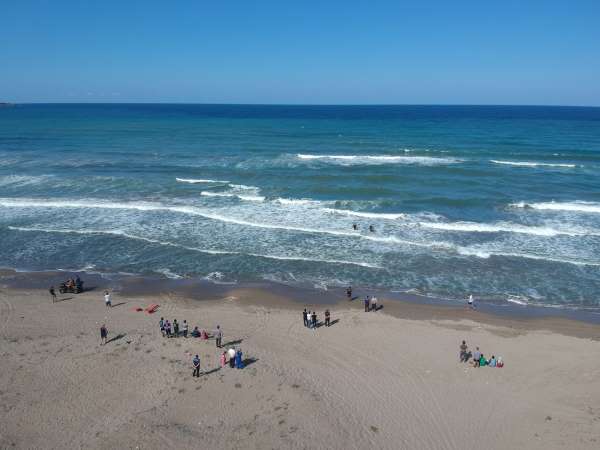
x,y
522,301
167,273
291,201
196,249
249,198
197,181
532,164
474,227
370,215
22,180
576,206
378,159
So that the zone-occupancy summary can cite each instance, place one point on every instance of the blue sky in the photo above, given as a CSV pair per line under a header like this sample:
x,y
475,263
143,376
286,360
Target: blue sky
x,y
333,52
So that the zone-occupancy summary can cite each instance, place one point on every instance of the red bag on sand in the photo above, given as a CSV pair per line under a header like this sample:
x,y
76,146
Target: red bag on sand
x,y
152,308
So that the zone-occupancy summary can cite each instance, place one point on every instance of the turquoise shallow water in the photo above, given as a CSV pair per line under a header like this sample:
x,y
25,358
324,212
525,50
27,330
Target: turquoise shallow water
x,y
501,202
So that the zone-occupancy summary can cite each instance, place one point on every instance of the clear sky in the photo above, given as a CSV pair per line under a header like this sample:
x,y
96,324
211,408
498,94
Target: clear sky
x,y
304,51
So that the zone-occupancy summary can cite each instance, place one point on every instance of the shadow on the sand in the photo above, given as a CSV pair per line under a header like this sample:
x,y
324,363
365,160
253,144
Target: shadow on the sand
x,y
212,371
117,337
236,342
248,361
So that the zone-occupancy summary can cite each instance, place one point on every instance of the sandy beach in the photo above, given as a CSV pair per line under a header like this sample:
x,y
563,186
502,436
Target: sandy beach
x,y
371,380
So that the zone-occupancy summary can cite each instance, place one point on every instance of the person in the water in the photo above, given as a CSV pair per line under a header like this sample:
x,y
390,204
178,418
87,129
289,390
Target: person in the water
x,y
371,228
354,227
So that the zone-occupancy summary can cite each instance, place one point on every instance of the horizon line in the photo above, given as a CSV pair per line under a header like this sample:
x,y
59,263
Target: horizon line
x,y
297,104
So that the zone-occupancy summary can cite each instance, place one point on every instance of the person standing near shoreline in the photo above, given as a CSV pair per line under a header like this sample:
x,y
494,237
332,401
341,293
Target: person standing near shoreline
x,y
304,317
175,328
185,328
349,292
374,303
314,320
327,314
52,293
107,300
367,303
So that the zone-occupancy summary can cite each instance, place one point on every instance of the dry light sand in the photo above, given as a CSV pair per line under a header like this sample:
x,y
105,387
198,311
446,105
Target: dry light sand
x,y
370,381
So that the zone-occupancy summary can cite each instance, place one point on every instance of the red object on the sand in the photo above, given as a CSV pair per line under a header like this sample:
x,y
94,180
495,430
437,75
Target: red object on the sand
x,y
152,308
136,309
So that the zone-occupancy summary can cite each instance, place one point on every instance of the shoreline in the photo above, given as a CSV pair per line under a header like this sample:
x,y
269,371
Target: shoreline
x,y
567,321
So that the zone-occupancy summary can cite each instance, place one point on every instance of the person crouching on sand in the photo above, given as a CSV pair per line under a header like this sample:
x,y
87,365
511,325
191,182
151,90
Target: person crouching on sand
x,y
196,364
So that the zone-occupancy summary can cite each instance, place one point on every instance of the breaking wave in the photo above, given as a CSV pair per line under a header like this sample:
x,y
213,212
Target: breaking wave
x,y
377,159
532,164
576,206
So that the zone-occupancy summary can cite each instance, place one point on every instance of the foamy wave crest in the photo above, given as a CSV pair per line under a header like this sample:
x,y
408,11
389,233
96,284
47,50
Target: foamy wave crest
x,y
378,159
167,273
370,215
22,180
249,198
473,227
196,249
576,206
198,181
300,201
532,164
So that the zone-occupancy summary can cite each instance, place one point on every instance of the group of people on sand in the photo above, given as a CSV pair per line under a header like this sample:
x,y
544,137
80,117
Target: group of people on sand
x,y
233,357
310,319
175,329
477,358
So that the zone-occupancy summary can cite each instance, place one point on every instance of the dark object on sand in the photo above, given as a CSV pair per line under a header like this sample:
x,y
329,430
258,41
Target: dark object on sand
x,y
71,287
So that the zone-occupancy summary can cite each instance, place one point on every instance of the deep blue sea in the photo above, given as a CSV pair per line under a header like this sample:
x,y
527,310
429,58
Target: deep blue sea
x,y
501,202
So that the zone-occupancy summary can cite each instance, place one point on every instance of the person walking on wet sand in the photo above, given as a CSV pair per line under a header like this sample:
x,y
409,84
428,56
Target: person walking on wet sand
x,y
327,314
349,292
103,334
107,299
218,336
196,364
367,303
52,293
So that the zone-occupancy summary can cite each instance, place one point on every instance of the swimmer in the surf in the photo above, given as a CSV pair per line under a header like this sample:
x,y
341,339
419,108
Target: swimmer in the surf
x,y
354,227
371,229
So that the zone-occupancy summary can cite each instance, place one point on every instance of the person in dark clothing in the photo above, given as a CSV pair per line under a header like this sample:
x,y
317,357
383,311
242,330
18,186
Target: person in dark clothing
x,y
52,293
314,320
196,364
327,314
103,334
218,336
175,328
354,227
371,228
349,292
305,317
367,303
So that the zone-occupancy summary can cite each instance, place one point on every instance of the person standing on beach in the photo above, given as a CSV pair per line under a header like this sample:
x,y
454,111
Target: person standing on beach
x,y
107,299
471,302
161,324
327,314
463,352
349,292
314,320
175,328
374,303
196,364
185,328
52,293
304,317
367,303
476,357
103,334
218,336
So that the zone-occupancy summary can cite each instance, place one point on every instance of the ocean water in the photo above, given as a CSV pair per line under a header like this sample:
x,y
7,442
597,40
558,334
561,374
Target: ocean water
x,y
500,202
